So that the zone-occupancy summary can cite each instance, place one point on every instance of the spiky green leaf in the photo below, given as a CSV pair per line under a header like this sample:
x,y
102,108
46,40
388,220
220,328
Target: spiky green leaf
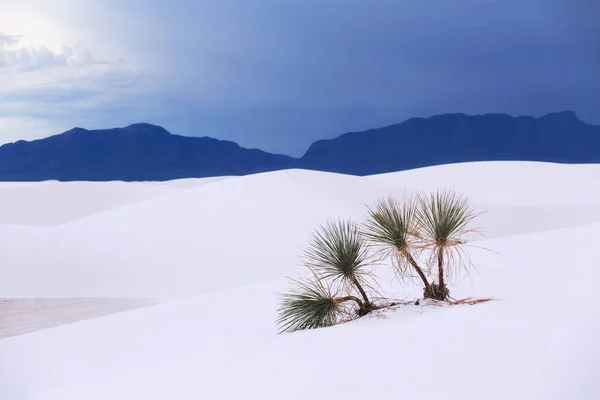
x,y
391,224
338,252
309,305
444,217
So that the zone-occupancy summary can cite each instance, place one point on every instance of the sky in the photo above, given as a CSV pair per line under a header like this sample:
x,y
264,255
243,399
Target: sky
x,y
280,74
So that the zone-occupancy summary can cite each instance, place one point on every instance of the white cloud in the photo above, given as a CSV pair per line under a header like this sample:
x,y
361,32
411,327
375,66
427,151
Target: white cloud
x,y
13,54
8,40
56,70
46,90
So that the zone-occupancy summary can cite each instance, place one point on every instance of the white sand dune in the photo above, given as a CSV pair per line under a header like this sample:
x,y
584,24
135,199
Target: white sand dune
x,y
219,252
187,242
53,203
21,316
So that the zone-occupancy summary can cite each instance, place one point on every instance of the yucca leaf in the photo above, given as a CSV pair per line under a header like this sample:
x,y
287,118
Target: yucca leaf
x,y
391,224
338,252
391,227
309,305
444,217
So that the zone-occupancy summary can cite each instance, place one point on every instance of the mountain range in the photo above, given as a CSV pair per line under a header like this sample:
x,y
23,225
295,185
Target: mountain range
x,y
141,152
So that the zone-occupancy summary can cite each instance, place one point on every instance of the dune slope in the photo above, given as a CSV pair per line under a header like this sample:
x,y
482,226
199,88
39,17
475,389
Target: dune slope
x,y
219,254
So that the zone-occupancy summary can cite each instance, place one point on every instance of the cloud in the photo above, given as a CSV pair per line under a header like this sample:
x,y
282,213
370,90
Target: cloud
x,y
8,40
45,91
42,74
22,57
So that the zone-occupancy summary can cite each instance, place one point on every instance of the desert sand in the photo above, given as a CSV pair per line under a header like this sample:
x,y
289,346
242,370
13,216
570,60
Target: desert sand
x,y
213,254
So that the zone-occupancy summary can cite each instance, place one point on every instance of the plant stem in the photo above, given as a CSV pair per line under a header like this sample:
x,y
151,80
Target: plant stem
x,y
350,298
441,268
414,264
362,292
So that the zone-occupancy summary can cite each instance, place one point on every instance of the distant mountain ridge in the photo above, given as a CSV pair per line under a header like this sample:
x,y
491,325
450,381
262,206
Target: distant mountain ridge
x,y
141,152
137,152
452,138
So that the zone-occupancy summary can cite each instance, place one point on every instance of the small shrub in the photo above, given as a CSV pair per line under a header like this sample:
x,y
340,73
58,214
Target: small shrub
x,y
337,256
392,227
443,219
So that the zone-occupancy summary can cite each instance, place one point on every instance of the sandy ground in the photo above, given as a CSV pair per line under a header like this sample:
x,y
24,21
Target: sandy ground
x,y
91,238
20,316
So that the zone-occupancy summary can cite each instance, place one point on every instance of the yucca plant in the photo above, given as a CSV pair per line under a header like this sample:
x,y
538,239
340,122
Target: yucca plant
x,y
338,258
392,227
443,219
338,252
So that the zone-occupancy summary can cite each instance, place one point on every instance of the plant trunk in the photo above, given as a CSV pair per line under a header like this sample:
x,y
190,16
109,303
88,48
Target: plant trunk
x,y
363,307
414,264
362,292
350,298
438,291
441,269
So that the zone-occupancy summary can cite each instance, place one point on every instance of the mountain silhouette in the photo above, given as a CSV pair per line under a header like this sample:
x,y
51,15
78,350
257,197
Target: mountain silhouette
x,y
135,153
453,138
142,152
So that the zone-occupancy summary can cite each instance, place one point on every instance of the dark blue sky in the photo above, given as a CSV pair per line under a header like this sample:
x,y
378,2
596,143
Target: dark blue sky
x,y
279,74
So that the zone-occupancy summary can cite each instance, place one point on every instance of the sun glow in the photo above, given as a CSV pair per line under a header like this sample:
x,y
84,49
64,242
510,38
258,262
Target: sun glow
x,y
33,28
